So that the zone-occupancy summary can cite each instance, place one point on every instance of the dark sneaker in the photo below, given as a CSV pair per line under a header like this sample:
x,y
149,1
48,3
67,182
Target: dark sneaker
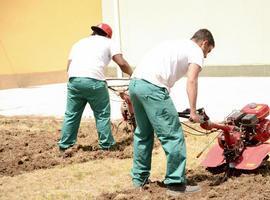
x,y
178,189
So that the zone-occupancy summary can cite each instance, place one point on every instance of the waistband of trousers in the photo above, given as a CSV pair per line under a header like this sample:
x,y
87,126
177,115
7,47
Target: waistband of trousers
x,y
162,88
85,78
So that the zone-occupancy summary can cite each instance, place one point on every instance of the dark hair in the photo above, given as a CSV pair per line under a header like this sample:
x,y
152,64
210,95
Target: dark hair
x,y
204,34
99,32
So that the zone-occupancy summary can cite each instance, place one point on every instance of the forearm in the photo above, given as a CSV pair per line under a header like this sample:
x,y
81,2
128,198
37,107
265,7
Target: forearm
x,y
123,64
126,68
192,90
192,86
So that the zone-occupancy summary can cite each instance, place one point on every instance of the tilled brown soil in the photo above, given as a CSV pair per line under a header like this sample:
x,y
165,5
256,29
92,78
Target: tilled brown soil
x,y
30,143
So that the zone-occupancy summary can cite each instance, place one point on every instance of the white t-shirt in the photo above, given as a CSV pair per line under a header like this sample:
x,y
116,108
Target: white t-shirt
x,y
89,57
168,62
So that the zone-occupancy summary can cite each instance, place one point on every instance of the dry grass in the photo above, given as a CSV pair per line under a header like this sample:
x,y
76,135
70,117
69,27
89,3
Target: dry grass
x,y
79,181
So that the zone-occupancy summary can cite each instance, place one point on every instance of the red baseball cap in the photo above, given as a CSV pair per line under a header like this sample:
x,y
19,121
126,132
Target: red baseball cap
x,y
104,28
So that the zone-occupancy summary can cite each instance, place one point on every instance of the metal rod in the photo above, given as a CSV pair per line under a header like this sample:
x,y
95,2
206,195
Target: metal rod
x,y
117,30
199,154
117,79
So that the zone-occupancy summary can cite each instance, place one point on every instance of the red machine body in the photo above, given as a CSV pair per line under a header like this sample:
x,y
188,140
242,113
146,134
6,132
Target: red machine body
x,y
260,110
242,140
126,108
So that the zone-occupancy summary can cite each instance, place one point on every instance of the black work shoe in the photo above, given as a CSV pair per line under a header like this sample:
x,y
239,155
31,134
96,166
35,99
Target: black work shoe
x,y
178,189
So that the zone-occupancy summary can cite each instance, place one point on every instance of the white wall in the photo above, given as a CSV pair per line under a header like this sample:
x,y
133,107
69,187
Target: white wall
x,y
240,27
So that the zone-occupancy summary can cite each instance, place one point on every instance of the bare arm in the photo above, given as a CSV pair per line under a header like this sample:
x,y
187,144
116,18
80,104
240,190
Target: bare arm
x,y
192,89
123,64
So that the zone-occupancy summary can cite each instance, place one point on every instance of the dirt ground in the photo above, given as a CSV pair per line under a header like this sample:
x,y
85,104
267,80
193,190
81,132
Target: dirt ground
x,y
29,143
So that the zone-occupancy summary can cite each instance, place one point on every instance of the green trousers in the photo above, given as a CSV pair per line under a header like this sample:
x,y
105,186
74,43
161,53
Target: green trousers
x,y
156,113
81,91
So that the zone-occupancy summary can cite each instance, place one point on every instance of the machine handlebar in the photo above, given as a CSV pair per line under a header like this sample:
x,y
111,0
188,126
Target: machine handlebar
x,y
200,112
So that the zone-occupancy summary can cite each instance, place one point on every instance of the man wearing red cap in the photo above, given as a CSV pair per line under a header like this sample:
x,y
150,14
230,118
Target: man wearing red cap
x,y
87,60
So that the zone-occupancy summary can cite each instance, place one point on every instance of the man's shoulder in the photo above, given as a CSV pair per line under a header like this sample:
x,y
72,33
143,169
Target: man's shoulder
x,y
94,40
82,40
176,42
185,42
101,40
189,46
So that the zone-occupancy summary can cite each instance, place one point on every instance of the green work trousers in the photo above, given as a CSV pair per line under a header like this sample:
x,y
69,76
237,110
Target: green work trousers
x,y
81,91
155,112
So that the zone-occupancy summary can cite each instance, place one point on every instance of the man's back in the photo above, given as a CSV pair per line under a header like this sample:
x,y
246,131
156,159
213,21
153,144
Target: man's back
x,y
168,62
90,56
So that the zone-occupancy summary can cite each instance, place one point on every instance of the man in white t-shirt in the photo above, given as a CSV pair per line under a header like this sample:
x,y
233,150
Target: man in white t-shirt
x,y
155,111
87,61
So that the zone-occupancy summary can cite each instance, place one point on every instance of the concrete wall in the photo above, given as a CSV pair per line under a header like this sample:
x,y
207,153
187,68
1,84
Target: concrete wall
x,y
240,27
36,36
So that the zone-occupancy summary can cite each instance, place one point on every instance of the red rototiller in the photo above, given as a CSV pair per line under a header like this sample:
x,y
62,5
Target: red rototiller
x,y
242,141
126,108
